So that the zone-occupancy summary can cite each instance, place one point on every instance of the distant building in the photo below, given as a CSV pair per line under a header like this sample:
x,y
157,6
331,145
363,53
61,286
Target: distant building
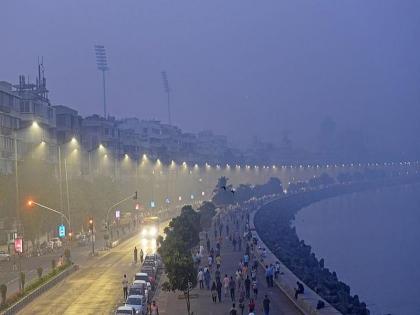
x,y
68,123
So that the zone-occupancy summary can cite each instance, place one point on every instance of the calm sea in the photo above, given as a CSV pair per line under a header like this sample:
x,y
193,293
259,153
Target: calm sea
x,y
372,241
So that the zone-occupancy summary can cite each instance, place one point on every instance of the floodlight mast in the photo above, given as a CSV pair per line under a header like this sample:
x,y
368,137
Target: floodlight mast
x,y
167,90
102,64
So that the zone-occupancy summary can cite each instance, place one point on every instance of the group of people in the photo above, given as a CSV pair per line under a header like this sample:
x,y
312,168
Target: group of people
x,y
240,288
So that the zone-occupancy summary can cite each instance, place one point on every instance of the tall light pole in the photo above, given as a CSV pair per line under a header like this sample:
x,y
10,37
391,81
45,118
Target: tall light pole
x,y
102,64
168,93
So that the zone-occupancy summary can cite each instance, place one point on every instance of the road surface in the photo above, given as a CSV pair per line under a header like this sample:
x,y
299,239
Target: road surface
x,y
96,288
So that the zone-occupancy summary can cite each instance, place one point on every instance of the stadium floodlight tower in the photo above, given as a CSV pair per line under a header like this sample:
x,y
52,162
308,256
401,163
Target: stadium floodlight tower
x,y
167,90
102,64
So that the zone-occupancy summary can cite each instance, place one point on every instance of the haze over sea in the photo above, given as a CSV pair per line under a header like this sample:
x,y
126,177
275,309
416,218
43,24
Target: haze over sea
x,y
372,241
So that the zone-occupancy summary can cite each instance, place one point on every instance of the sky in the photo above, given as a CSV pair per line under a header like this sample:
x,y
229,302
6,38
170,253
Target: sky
x,y
243,68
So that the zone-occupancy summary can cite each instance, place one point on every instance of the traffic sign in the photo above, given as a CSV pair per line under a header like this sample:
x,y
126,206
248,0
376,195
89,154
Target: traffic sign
x,y
19,245
62,231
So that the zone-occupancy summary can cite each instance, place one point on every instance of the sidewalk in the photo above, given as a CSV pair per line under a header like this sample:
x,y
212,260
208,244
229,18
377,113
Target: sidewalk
x,y
202,304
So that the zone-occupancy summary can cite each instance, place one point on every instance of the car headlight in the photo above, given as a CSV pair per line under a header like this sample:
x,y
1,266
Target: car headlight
x,y
153,231
143,232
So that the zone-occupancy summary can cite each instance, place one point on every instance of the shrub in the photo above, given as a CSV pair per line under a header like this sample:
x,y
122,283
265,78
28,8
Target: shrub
x,y
39,271
3,292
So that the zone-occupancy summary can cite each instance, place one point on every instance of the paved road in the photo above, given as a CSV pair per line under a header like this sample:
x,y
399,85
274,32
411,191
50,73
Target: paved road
x,y
96,287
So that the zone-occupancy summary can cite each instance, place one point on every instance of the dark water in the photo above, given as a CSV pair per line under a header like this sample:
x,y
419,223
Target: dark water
x,y
372,241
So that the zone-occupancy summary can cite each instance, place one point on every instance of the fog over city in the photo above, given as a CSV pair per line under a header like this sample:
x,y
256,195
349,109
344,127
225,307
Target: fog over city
x,y
241,68
162,157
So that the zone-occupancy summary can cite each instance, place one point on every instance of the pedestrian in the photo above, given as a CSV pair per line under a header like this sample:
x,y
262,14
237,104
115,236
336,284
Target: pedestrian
x,y
232,288
125,286
247,287
208,244
276,270
299,290
210,261
242,302
207,278
200,278
218,261
226,285
217,275
251,306
266,305
141,255
154,309
219,290
135,254
214,292
255,288
267,275
233,310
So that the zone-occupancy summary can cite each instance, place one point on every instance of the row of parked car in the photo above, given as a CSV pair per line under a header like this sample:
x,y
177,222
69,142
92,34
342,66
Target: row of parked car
x,y
141,290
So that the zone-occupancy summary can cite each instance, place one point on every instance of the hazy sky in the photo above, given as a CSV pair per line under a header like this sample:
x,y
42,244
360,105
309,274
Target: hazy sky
x,y
240,67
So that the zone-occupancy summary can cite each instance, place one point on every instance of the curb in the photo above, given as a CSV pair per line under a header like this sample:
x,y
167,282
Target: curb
x,y
37,292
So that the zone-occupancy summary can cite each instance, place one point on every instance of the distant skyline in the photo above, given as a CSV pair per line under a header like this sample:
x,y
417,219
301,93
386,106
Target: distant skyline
x,y
240,67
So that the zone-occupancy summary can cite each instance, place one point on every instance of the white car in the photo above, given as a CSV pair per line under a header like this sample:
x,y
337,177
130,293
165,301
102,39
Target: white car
x,y
55,242
4,256
125,310
136,302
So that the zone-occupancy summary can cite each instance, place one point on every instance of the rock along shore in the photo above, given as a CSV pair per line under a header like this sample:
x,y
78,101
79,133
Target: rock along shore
x,y
297,256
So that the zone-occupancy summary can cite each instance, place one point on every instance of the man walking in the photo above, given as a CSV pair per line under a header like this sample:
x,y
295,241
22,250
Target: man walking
x,y
247,287
141,255
219,290
125,286
135,255
266,305
232,289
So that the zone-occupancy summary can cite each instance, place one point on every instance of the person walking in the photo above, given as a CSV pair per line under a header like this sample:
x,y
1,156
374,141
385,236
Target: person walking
x,y
232,288
135,255
247,287
125,286
255,288
214,292
251,306
200,278
141,255
154,309
226,285
233,310
266,305
219,290
242,302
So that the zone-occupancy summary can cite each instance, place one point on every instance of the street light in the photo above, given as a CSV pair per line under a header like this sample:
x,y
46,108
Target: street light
x,y
31,203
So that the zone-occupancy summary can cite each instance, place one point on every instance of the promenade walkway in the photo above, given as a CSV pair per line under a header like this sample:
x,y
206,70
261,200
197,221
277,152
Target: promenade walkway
x,y
202,304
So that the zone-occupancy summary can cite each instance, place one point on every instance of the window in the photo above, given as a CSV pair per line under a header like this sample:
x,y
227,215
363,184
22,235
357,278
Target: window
x,y
24,107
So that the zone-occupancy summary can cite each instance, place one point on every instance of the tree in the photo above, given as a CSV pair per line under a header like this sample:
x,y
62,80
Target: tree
x,y
207,211
182,235
223,193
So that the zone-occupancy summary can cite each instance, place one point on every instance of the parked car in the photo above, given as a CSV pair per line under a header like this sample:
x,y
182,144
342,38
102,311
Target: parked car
x,y
124,310
4,256
55,242
136,302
